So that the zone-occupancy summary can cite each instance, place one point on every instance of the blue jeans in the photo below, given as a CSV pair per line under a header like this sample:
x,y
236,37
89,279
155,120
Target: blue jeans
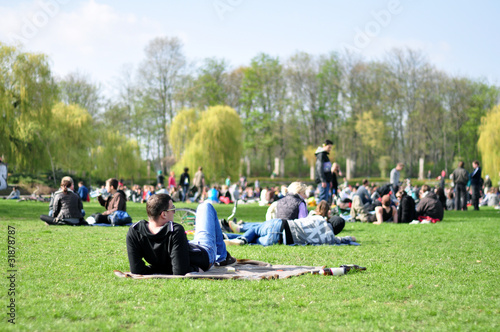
x,y
243,228
185,190
324,193
266,233
208,234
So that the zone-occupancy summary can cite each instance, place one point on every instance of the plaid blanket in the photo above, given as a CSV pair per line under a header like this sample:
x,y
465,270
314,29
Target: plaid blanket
x,y
244,269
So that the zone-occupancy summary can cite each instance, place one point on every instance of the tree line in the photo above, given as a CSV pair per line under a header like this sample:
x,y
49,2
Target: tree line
x,y
378,112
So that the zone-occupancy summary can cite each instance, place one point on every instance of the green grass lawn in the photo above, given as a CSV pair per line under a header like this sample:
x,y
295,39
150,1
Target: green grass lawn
x,y
441,276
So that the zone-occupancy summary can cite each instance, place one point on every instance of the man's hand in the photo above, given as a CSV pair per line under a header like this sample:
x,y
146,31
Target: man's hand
x,y
323,184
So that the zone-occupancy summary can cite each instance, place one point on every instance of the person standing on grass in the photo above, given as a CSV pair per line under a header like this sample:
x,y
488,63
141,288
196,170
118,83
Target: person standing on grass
x,y
164,246
199,183
116,201
335,182
184,181
160,179
394,177
323,171
171,181
460,178
67,207
475,184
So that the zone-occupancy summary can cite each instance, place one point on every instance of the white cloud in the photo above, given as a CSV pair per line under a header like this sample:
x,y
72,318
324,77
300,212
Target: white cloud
x,y
91,37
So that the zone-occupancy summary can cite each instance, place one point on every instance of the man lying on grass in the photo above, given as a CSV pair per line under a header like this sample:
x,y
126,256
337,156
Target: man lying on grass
x,y
317,228
164,246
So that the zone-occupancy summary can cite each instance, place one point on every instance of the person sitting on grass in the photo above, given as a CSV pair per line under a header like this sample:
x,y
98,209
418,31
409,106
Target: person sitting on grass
x,y
429,207
314,229
67,207
386,212
53,196
293,205
163,244
14,194
116,201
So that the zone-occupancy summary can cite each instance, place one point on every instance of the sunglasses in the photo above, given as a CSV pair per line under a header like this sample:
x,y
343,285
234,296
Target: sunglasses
x,y
172,209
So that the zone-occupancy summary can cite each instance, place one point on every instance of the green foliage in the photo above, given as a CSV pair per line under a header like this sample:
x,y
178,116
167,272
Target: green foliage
x,y
264,100
484,98
118,157
210,85
184,125
70,138
76,88
27,94
489,143
215,143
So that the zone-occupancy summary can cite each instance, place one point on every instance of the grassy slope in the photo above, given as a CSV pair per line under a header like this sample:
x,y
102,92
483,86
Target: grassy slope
x,y
420,277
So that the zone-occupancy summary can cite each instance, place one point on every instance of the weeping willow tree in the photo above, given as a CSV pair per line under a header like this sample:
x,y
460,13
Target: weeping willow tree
x,y
182,129
215,142
27,94
117,157
489,143
69,138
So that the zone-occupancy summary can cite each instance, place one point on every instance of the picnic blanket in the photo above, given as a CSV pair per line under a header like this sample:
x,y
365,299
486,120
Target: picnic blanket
x,y
246,269
109,225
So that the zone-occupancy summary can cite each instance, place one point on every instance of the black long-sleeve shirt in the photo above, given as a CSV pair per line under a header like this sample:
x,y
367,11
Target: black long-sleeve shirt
x,y
166,252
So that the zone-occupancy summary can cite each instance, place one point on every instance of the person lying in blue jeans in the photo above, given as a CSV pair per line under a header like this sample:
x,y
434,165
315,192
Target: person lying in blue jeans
x,y
318,228
164,246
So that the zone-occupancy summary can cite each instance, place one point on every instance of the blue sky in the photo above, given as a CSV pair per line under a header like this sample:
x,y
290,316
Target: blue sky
x,y
99,37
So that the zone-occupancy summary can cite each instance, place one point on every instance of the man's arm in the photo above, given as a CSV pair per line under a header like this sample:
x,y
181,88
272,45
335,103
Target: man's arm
x,y
179,251
56,206
392,176
116,203
101,200
135,254
302,210
420,208
394,214
378,214
319,170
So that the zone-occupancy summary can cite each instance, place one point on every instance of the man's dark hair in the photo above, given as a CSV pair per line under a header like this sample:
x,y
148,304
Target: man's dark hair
x,y
365,181
156,204
186,169
328,142
476,162
113,183
460,164
425,188
337,223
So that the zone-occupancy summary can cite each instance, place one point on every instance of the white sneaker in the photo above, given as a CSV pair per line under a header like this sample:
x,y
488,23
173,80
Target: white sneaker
x,y
235,242
414,222
426,221
90,220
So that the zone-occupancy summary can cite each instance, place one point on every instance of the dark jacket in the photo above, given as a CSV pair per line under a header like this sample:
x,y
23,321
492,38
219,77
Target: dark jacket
x,y
323,166
460,176
430,206
475,178
167,252
288,207
117,202
67,206
406,209
183,178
